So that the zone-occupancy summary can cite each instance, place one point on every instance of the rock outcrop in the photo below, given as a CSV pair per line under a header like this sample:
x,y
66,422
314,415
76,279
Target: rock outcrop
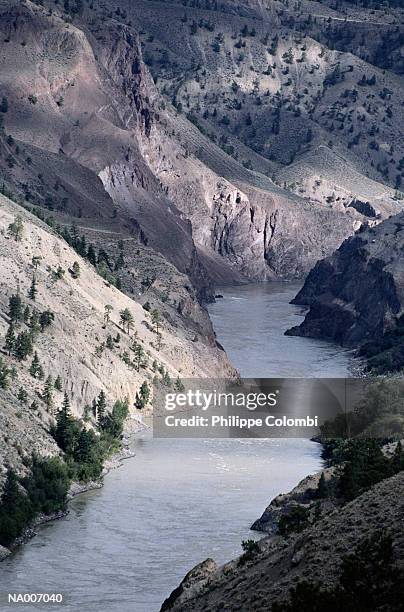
x,y
314,555
303,494
357,294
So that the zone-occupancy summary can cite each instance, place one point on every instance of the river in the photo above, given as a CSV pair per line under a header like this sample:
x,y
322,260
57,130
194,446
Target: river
x,y
126,546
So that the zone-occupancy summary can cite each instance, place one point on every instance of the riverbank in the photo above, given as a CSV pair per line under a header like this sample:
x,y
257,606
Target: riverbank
x,y
164,512
76,488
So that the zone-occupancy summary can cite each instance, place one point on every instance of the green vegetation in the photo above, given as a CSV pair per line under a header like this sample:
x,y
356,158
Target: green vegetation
x,y
43,491
251,549
84,449
386,354
369,580
126,320
75,270
295,521
142,398
4,374
16,229
101,261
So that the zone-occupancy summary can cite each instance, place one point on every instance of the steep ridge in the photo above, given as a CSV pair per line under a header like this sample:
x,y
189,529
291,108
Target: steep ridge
x,y
104,141
88,352
314,555
355,296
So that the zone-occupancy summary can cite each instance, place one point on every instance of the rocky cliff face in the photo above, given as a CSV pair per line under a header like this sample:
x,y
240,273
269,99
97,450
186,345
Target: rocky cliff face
x,y
356,296
98,134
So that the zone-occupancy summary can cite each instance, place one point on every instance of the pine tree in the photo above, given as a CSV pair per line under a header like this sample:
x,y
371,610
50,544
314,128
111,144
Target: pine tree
x,y
126,319
139,356
63,431
120,262
166,379
23,346
65,406
46,319
33,290
143,396
22,395
16,229
101,406
94,408
35,366
58,383
107,313
34,406
4,374
34,324
47,394
15,311
27,314
110,343
178,386
10,339
155,317
75,271
91,256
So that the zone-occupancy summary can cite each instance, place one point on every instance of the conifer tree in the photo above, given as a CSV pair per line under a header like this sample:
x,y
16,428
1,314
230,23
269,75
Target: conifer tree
x,y
139,356
58,383
16,229
47,394
143,396
22,395
23,346
107,313
4,374
15,311
155,317
36,260
35,367
126,319
33,290
46,319
27,314
101,406
94,408
398,458
91,256
75,271
34,324
110,342
65,411
4,105
10,339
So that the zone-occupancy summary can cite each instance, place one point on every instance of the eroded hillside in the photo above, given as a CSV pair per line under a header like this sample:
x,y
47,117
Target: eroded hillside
x,y
207,132
83,342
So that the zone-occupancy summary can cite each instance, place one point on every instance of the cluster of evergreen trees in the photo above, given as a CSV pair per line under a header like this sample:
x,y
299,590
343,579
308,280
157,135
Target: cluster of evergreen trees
x,y
43,491
100,260
21,343
364,465
84,450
